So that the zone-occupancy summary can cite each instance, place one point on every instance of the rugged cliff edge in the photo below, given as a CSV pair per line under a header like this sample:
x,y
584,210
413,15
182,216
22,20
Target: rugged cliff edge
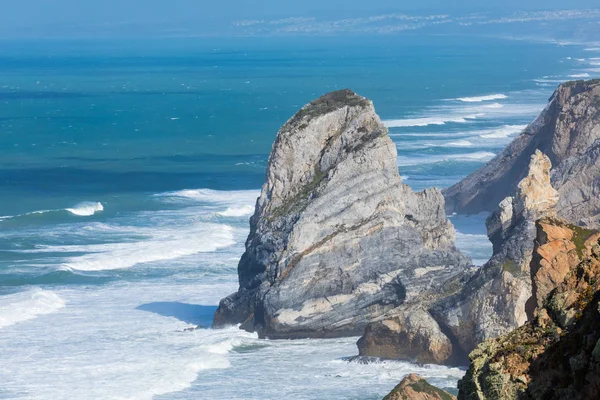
x,y
493,302
336,239
557,354
567,131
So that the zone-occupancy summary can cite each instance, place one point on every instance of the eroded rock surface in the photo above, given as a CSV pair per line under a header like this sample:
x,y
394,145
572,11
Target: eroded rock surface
x,y
557,355
337,239
414,387
410,334
494,301
567,131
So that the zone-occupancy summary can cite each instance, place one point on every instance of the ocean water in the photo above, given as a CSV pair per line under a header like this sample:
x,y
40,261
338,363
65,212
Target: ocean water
x,y
129,170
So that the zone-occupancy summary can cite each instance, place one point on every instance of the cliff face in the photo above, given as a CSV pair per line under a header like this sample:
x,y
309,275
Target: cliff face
x,y
557,355
336,239
493,302
567,131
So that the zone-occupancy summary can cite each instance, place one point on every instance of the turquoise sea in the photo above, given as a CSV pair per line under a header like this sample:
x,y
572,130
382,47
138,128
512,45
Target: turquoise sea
x,y
129,170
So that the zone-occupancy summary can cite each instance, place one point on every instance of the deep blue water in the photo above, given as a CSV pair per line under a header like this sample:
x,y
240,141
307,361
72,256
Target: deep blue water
x,y
129,170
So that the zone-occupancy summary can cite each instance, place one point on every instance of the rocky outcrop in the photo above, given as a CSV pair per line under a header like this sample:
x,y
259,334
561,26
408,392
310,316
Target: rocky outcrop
x,y
557,355
337,239
414,387
558,248
567,131
411,335
493,302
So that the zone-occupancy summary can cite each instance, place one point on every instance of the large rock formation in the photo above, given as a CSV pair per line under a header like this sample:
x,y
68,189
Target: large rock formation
x,y
567,131
557,355
336,239
406,334
493,302
414,387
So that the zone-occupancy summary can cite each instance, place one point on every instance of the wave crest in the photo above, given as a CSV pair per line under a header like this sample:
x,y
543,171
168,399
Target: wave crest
x,y
86,209
23,306
478,99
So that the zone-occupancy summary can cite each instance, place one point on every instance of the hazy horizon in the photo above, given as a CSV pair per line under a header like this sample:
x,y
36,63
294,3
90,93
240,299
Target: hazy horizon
x,y
112,18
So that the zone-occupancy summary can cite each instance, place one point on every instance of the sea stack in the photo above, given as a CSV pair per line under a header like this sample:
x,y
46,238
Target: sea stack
x,y
337,239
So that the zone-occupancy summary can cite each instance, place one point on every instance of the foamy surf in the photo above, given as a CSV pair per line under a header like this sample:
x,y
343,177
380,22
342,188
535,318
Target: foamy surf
x,y
502,132
86,209
480,156
237,211
161,245
583,75
24,306
478,99
427,121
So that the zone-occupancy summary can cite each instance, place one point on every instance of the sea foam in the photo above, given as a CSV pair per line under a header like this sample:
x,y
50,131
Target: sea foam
x,y
404,161
238,211
502,132
426,121
478,99
23,306
161,245
86,209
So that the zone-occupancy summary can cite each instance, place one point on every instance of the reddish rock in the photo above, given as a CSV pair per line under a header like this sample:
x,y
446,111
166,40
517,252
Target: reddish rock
x,y
414,387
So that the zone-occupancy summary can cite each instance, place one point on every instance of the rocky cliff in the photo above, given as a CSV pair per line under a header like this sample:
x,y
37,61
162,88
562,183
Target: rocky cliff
x,y
567,131
337,239
557,354
414,387
493,302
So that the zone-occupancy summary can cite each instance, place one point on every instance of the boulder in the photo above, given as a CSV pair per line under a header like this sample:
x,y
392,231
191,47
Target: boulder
x,y
414,387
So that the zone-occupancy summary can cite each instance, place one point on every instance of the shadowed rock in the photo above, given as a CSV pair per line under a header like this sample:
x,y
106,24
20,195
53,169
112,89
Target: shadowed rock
x,y
493,302
568,132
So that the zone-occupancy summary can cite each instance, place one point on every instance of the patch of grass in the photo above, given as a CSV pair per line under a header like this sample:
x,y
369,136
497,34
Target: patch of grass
x,y
328,103
424,387
511,266
301,196
580,236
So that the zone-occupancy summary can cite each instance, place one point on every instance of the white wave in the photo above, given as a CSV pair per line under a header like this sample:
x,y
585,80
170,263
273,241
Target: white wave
x,y
143,246
584,75
544,80
478,99
476,156
502,132
238,211
426,121
86,209
459,143
461,114
83,209
456,143
210,196
592,49
23,306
